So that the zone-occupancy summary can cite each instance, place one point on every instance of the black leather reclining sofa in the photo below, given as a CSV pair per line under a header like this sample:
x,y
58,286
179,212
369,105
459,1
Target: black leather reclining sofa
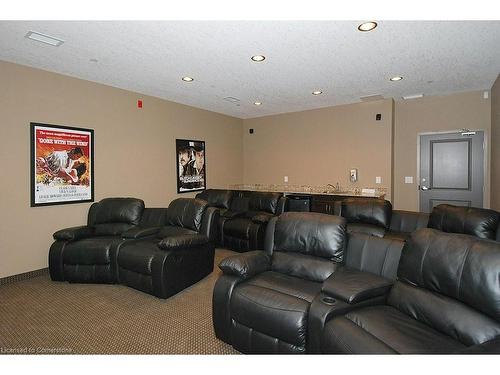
x,y
156,250
244,216
263,301
446,300
377,218
316,290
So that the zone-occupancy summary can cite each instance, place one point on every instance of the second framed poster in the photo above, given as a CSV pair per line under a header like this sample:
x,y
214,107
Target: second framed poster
x,y
62,164
191,167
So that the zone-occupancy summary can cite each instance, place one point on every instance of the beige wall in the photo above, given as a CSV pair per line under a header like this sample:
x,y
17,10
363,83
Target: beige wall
x,y
495,145
432,114
134,152
134,149
319,146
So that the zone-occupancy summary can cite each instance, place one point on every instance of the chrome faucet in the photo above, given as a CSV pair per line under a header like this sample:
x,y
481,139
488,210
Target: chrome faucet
x,y
336,188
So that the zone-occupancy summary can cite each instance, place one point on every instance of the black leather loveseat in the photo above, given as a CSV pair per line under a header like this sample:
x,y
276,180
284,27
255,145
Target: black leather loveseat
x,y
446,300
244,224
156,250
377,218
273,301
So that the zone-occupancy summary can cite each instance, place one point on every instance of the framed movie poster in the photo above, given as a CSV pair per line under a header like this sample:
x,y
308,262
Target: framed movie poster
x,y
62,165
191,166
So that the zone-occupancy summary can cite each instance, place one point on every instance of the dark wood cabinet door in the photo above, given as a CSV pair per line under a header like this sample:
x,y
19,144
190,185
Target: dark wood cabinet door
x,y
320,206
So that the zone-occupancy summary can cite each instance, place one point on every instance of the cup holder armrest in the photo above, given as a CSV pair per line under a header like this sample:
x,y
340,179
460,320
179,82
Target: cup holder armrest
x,y
328,300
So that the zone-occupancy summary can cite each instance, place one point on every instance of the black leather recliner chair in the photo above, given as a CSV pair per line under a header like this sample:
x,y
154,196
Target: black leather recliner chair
x,y
261,302
446,300
87,254
367,215
479,222
179,255
243,226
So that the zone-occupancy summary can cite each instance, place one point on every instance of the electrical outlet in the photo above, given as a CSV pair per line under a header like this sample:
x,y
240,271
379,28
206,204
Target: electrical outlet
x,y
378,180
285,179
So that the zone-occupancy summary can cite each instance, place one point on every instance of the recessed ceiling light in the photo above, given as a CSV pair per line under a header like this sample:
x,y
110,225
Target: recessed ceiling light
x,y
317,92
187,79
257,103
43,38
397,78
258,58
367,26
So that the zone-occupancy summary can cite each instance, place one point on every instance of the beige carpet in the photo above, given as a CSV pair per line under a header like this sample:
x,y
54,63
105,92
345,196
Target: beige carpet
x,y
41,316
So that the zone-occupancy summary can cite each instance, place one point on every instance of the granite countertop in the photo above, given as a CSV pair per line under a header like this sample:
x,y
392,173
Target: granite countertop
x,y
311,190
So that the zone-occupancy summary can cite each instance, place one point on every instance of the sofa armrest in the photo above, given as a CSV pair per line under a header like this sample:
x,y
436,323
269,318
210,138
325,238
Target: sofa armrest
x,y
209,223
323,309
488,347
281,205
247,264
232,214
262,218
183,241
140,232
352,286
221,306
73,233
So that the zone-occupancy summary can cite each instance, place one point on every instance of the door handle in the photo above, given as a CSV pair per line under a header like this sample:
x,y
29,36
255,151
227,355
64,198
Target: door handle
x,y
424,188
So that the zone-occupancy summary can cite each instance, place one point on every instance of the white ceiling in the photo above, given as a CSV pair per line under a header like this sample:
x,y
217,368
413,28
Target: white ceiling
x,y
333,56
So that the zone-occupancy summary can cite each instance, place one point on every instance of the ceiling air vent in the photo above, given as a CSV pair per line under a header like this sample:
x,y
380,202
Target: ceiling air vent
x,y
43,38
230,99
408,97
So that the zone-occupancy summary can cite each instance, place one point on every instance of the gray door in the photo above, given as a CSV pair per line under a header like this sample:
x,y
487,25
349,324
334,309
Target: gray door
x,y
451,170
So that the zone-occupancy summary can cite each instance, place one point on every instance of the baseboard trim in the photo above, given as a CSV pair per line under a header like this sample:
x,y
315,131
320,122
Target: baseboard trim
x,y
23,276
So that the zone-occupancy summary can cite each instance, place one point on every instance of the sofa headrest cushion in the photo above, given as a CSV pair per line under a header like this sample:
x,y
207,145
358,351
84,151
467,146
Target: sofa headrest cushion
x,y
367,211
118,210
311,233
479,222
186,213
459,266
267,202
216,197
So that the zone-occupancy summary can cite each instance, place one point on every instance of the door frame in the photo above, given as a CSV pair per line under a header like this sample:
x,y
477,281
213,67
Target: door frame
x,y
485,158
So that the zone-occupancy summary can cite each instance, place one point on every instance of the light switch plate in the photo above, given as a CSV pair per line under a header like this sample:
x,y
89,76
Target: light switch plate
x,y
409,180
378,180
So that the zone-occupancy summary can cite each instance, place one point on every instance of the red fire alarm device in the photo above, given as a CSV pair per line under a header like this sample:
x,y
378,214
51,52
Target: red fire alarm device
x,y
139,103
